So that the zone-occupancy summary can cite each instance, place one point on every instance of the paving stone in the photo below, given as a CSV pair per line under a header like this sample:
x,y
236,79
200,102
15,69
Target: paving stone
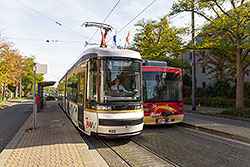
x,y
50,144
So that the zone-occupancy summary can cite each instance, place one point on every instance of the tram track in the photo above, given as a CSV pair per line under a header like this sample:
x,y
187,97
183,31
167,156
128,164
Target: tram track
x,y
165,146
156,154
132,153
120,157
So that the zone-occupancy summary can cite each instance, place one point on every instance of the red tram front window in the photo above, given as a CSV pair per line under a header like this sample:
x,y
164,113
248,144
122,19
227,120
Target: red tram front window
x,y
162,87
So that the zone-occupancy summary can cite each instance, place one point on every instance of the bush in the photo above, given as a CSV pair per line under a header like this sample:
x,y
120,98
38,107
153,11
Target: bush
x,y
247,90
200,92
245,112
217,102
50,98
187,80
187,91
221,87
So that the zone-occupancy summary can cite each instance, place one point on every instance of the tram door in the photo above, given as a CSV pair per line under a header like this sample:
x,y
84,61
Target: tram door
x,y
80,99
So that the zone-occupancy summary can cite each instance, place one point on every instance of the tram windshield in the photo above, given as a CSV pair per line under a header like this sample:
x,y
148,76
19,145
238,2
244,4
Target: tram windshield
x,y
121,80
162,87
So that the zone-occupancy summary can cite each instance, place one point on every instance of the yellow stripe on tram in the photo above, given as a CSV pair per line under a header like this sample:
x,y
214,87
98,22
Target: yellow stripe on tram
x,y
114,111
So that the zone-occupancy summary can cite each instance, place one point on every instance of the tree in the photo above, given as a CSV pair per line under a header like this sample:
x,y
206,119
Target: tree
x,y
28,79
156,40
225,35
7,65
13,67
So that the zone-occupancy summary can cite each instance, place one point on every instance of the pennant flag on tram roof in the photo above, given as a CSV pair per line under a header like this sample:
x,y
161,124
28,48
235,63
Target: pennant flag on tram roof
x,y
127,38
114,39
103,42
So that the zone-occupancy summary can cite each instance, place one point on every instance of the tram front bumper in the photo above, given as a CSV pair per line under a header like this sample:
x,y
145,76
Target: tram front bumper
x,y
120,131
114,136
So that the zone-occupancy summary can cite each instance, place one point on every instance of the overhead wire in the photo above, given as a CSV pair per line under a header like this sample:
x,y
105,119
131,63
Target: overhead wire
x,y
102,23
134,18
51,19
44,40
105,18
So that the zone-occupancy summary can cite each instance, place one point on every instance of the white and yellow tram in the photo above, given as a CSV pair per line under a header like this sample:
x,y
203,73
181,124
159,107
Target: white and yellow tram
x,y
87,94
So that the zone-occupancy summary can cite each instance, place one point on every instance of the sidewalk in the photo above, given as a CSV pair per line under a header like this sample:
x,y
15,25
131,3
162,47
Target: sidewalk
x,y
204,119
55,142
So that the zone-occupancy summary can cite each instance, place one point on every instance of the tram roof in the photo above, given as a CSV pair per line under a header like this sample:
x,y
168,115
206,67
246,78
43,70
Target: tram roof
x,y
106,52
112,52
96,52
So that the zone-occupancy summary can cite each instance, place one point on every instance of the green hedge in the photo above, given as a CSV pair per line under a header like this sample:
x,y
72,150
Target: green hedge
x,y
216,102
218,89
245,112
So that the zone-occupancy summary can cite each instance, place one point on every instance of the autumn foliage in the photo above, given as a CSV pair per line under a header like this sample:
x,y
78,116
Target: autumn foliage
x,y
13,67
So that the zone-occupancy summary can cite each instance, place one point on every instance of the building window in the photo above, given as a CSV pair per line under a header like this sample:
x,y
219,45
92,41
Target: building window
x,y
204,84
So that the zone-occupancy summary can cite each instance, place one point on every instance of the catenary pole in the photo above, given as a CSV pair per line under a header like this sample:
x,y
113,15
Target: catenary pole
x,y
193,63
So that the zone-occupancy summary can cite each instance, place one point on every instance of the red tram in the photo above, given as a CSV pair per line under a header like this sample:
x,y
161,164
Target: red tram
x,y
162,93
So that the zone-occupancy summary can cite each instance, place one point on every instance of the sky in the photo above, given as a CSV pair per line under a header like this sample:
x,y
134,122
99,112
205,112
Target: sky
x,y
28,24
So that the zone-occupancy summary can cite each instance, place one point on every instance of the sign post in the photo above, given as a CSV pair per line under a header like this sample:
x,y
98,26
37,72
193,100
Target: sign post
x,y
40,69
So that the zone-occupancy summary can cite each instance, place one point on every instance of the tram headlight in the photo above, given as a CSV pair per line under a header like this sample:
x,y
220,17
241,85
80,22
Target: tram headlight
x,y
103,107
138,107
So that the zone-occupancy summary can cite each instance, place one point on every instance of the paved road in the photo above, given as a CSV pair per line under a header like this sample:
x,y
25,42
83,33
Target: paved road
x,y
217,120
11,120
191,148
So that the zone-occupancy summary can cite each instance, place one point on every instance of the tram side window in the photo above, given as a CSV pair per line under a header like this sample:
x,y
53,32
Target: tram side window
x,y
60,90
92,81
66,89
69,89
81,83
73,88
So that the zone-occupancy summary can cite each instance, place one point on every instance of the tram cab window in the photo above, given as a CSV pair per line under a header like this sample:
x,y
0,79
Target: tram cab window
x,y
162,87
127,72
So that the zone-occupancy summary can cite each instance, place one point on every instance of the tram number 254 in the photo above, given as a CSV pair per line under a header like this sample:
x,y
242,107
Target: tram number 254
x,y
112,131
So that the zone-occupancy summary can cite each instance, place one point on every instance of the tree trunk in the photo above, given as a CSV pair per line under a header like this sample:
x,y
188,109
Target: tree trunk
x,y
240,81
16,90
26,90
4,92
1,92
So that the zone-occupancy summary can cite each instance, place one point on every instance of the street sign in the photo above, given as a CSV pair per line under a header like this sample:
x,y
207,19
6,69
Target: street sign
x,y
41,68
